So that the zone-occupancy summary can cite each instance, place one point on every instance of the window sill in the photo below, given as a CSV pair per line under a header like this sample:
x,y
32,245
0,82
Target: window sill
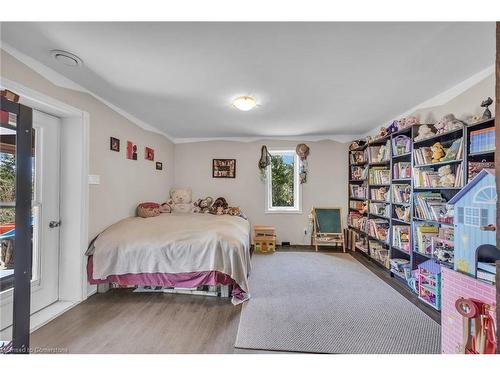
x,y
283,212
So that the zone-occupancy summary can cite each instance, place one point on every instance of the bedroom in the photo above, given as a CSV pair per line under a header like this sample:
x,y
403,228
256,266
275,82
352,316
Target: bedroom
x,y
248,187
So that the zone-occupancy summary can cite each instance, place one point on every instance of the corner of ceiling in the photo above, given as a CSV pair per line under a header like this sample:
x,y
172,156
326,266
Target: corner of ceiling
x,y
59,80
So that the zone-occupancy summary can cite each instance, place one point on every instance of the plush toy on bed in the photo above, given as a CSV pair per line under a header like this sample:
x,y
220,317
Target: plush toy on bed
x,y
219,206
148,209
202,205
180,200
233,211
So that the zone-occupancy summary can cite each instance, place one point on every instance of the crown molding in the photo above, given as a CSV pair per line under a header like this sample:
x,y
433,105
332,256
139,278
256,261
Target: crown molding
x,y
59,80
341,138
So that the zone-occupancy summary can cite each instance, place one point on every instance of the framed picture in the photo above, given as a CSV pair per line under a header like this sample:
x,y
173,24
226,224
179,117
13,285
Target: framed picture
x,y
149,153
114,144
131,150
224,168
159,166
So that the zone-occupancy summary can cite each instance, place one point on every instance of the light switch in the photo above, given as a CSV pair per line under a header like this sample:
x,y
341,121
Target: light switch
x,y
94,179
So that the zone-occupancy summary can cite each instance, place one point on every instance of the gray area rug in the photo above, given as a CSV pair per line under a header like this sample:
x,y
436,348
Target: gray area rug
x,y
329,303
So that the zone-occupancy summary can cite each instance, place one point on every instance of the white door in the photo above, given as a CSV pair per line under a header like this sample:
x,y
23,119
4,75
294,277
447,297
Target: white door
x,y
45,203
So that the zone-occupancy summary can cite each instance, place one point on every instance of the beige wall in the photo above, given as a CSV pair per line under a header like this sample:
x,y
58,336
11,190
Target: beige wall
x,y
463,106
124,182
326,185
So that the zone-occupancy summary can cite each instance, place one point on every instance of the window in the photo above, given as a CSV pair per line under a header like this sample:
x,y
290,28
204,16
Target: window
x,y
472,216
283,187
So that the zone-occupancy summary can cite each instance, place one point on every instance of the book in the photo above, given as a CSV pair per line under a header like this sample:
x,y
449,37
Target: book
x,y
358,157
379,176
359,173
381,153
401,170
401,145
401,237
401,193
382,209
358,191
424,235
431,206
378,228
474,167
482,140
380,194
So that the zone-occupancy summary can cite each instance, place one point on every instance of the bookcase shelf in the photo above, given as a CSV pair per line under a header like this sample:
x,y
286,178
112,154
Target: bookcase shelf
x,y
401,158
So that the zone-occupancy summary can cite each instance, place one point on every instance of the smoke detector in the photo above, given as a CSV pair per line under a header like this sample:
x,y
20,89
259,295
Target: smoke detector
x,y
66,58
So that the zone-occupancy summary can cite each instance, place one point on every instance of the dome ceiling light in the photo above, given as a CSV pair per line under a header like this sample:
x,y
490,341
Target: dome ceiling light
x,y
245,103
66,58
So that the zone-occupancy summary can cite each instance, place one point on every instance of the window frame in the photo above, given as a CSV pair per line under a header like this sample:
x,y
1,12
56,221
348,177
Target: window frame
x,y
297,208
471,216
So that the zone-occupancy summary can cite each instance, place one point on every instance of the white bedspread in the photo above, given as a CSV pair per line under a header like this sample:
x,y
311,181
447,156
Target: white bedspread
x,y
175,243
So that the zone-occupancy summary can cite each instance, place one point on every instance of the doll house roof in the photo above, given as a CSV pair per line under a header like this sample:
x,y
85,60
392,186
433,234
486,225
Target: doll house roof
x,y
471,184
431,266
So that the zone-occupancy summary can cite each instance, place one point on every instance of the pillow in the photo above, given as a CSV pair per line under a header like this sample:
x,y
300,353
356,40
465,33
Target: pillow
x,y
148,209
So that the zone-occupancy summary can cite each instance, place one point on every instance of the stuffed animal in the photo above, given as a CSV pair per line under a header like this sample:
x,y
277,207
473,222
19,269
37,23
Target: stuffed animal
x,y
383,132
148,209
448,123
424,132
202,205
218,207
180,200
165,208
233,211
393,127
446,177
438,152
406,122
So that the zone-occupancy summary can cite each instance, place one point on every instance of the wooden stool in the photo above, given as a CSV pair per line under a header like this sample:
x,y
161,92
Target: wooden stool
x,y
264,238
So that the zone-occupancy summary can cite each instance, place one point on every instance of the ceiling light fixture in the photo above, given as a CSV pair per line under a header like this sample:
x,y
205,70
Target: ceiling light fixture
x,y
66,58
245,103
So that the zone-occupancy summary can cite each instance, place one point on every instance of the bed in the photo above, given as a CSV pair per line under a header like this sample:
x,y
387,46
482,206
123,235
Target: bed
x,y
185,250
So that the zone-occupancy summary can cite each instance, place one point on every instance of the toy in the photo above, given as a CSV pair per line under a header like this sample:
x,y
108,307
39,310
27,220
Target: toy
x,y
165,208
446,177
486,103
382,132
475,216
180,200
264,238
424,132
437,152
218,207
448,123
393,127
474,119
202,205
233,211
10,96
429,283
148,209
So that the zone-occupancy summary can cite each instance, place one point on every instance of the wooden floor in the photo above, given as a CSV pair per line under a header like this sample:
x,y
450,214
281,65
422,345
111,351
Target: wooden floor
x,y
120,321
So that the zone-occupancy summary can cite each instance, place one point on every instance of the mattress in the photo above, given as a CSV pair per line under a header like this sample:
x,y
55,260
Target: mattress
x,y
184,248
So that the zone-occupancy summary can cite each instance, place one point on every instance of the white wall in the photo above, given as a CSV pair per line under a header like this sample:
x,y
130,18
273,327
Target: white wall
x,y
326,185
123,183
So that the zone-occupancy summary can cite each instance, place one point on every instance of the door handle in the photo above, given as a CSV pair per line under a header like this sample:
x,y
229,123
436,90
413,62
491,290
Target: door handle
x,y
54,224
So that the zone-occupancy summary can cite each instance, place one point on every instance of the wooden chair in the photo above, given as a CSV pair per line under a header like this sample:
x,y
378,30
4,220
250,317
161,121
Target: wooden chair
x,y
327,227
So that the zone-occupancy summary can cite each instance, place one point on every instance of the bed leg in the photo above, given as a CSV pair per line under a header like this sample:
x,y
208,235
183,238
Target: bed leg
x,y
103,288
224,291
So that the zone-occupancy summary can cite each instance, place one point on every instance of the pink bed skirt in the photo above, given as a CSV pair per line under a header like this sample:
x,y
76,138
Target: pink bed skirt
x,y
183,280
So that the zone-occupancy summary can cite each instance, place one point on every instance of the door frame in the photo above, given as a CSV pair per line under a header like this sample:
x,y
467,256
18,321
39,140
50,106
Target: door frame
x,y
74,165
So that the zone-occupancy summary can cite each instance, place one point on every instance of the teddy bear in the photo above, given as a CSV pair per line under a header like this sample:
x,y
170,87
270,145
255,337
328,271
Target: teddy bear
x,y
202,205
424,132
233,211
446,177
180,200
218,207
448,123
438,152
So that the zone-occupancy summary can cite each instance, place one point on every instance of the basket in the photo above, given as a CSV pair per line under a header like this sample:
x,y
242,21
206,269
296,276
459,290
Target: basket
x,y
148,209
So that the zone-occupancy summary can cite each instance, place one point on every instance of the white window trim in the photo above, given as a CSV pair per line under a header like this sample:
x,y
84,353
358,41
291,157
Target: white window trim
x,y
297,209
468,217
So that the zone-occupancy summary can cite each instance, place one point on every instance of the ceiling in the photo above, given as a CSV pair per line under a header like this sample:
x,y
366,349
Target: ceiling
x,y
310,79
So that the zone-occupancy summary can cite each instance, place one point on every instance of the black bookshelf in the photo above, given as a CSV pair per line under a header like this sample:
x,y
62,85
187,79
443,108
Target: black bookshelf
x,y
447,192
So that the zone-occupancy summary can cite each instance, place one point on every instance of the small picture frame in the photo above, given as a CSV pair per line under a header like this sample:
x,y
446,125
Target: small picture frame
x,y
114,144
131,150
149,154
224,168
159,166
